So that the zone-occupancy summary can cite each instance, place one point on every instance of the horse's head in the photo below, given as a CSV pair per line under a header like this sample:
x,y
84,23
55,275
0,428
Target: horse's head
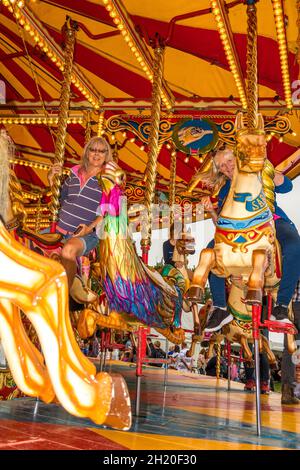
x,y
110,176
185,245
112,180
251,146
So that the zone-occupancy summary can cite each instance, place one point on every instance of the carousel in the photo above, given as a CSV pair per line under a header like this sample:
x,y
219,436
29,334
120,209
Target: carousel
x,y
165,85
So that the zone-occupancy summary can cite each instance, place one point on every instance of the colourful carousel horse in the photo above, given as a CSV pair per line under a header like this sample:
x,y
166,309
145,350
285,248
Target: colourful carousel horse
x,y
38,286
245,248
134,291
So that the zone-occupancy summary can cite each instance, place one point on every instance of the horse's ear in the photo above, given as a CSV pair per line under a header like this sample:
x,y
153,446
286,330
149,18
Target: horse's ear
x,y
260,122
239,122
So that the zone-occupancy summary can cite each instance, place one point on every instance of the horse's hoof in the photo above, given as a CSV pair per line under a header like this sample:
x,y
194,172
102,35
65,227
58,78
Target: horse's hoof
x,y
253,297
194,294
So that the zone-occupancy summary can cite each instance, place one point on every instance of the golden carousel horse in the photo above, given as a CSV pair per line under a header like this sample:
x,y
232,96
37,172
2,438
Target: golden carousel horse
x,y
245,250
38,286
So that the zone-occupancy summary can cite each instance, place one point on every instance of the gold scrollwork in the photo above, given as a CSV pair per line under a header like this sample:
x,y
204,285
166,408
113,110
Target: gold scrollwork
x,y
140,129
251,236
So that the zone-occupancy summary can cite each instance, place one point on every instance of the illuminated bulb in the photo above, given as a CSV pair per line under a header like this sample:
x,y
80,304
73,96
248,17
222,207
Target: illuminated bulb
x,y
132,139
187,158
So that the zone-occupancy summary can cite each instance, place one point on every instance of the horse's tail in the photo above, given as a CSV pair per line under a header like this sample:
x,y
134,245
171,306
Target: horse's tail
x,y
6,149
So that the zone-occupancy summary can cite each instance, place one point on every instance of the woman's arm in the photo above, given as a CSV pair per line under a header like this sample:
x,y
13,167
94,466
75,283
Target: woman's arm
x,y
208,207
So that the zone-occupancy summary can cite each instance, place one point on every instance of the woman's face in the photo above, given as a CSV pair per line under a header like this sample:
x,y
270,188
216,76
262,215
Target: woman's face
x,y
97,154
225,162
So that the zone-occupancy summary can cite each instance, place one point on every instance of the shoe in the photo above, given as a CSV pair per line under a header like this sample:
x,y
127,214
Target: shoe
x,y
264,388
80,293
280,313
218,318
249,385
288,396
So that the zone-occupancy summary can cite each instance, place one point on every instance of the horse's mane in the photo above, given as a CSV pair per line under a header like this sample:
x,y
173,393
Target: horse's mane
x,y
6,151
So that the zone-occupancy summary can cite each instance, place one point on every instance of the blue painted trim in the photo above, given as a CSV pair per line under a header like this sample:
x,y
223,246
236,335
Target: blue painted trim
x,y
244,224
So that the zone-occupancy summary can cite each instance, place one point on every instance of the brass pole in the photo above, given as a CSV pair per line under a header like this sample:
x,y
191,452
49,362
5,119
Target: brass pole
x,y
218,363
151,169
69,29
101,124
172,192
38,215
268,174
88,129
252,65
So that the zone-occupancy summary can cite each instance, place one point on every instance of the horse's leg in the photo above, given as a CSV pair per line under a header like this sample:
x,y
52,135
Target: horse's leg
x,y
246,349
206,263
256,279
25,361
268,351
291,343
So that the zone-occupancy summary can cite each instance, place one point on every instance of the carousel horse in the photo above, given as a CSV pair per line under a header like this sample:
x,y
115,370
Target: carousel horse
x,y
38,286
134,291
245,242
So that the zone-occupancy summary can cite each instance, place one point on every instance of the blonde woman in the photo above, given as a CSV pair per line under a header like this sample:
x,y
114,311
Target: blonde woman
x,y
80,198
286,232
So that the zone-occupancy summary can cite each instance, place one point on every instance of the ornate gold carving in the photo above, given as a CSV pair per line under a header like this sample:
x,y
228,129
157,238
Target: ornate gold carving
x,y
251,236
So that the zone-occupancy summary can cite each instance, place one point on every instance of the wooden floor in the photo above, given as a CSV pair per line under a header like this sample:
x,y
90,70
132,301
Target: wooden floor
x,y
193,412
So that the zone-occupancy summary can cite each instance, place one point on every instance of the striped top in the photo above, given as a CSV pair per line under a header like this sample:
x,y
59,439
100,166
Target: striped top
x,y
78,204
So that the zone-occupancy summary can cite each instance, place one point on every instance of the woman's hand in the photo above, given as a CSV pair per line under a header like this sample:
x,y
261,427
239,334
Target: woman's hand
x,y
278,178
208,207
56,169
207,204
81,230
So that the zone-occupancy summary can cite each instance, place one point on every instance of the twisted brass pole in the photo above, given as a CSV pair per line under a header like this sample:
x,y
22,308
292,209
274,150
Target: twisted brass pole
x,y
172,185
268,174
151,169
69,30
88,129
101,124
252,65
218,362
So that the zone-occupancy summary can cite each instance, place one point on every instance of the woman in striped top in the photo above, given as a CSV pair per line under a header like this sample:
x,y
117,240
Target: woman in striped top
x,y
80,199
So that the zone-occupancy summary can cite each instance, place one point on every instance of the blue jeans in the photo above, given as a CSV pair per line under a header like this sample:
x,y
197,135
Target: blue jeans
x,y
289,240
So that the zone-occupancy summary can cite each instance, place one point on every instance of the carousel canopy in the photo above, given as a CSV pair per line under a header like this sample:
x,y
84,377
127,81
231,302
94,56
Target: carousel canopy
x,y
204,76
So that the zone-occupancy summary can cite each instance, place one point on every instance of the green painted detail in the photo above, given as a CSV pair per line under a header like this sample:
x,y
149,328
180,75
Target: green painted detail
x,y
238,315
